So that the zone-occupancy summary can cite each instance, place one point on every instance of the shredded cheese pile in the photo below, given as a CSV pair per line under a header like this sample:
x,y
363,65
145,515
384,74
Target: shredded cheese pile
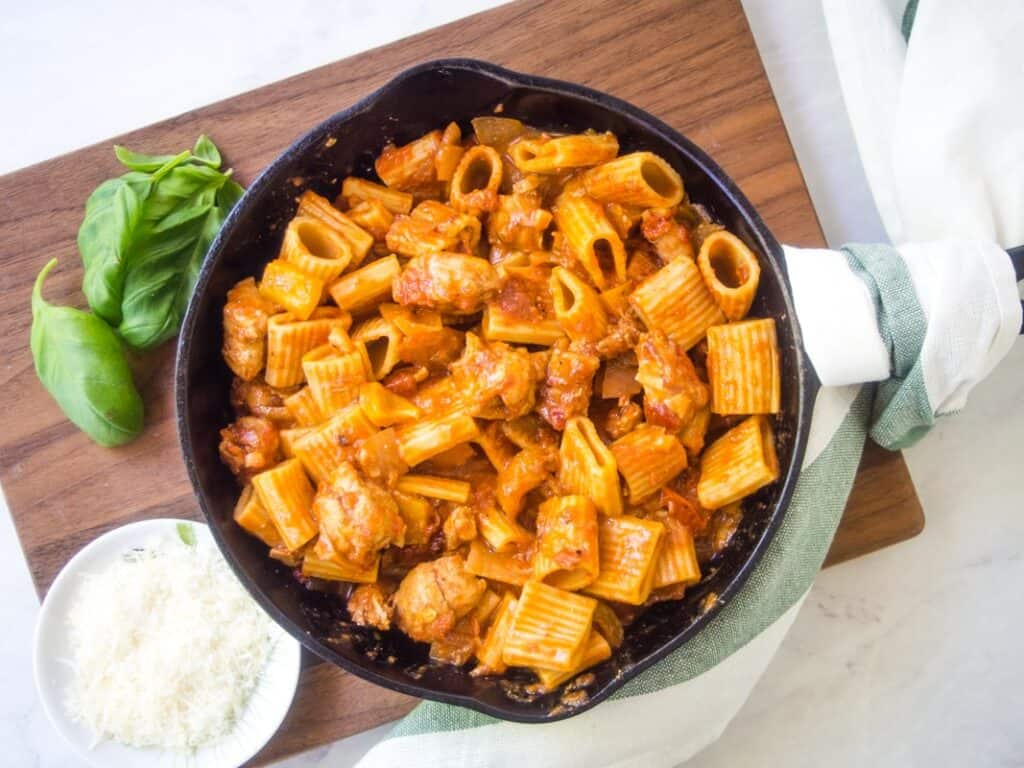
x,y
168,648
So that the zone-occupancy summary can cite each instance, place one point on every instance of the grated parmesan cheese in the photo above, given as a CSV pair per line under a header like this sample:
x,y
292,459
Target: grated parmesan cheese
x,y
168,648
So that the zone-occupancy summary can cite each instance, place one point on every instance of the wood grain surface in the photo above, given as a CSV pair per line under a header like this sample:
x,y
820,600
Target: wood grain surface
x,y
693,63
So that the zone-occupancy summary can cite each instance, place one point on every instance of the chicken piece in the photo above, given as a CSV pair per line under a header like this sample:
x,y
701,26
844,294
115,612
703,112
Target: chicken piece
x,y
525,471
432,349
448,282
458,646
621,418
680,499
524,293
566,390
370,606
379,458
249,446
519,222
411,167
495,370
432,227
459,527
245,329
673,392
357,516
257,398
622,335
434,596
670,237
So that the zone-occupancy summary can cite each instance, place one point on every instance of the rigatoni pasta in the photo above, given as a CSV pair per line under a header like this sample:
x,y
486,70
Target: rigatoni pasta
x,y
287,497
554,154
629,549
333,377
314,206
549,629
529,431
648,457
362,190
323,448
578,308
363,289
315,248
675,300
730,271
743,368
738,463
590,238
292,287
640,179
567,550
251,515
289,338
677,563
588,467
595,651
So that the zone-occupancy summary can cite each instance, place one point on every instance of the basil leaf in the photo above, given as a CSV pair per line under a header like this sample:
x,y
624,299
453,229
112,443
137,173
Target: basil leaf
x,y
145,235
111,215
186,534
205,151
230,194
160,278
171,164
81,363
178,196
137,161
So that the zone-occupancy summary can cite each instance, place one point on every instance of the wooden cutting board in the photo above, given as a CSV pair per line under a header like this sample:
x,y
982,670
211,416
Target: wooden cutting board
x,y
693,63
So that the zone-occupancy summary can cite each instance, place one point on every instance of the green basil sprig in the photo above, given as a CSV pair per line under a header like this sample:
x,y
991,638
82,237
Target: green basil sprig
x,y
142,241
144,237
80,361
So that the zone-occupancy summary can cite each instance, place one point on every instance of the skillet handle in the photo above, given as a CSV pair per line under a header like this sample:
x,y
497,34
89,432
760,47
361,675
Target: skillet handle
x,y
1017,259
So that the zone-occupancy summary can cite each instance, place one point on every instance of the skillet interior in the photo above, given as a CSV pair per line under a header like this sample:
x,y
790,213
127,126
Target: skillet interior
x,y
419,100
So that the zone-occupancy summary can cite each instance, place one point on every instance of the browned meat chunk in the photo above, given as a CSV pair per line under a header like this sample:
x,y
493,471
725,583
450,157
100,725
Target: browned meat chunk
x,y
434,596
245,329
249,446
358,516
525,471
566,390
495,370
257,398
448,282
370,606
673,392
621,418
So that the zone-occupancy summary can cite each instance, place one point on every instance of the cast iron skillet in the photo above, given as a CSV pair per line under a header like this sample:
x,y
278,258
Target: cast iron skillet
x,y
421,99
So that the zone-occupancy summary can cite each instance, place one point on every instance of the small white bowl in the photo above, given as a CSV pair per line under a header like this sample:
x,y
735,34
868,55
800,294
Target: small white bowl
x,y
53,672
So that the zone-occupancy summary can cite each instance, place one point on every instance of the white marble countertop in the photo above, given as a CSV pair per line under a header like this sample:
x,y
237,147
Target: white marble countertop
x,y
910,656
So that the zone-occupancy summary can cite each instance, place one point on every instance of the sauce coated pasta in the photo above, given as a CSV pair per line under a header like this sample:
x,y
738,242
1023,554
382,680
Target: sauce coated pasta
x,y
507,394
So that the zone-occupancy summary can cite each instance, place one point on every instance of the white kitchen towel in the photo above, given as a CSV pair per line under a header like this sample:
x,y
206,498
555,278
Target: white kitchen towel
x,y
938,123
927,321
938,118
